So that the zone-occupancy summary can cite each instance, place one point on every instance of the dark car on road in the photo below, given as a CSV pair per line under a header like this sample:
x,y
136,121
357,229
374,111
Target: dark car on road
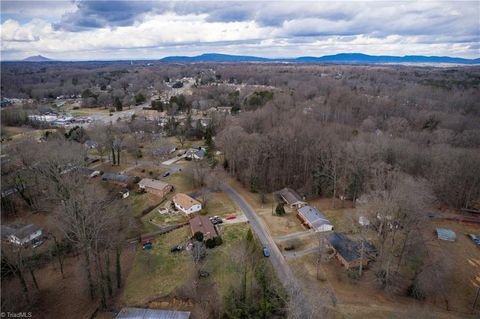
x,y
166,174
266,252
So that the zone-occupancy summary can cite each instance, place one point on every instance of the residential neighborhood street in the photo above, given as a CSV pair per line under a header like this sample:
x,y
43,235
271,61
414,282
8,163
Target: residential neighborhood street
x,y
284,271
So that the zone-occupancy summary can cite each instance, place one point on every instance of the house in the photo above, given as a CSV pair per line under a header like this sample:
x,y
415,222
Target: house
x,y
144,313
164,150
89,172
21,234
312,218
118,179
204,225
155,187
446,234
291,198
199,154
186,204
349,252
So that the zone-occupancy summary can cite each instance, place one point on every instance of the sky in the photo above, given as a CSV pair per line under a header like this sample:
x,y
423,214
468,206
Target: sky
x,y
106,30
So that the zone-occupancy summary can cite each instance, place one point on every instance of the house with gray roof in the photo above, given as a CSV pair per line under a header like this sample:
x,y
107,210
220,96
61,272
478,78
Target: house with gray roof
x,y
291,198
21,234
350,253
314,219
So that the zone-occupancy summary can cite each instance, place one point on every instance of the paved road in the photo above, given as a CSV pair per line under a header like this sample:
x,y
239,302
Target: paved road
x,y
284,272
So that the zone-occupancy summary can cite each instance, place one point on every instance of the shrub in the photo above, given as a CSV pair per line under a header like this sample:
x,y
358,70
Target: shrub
x,y
280,211
218,241
198,236
210,243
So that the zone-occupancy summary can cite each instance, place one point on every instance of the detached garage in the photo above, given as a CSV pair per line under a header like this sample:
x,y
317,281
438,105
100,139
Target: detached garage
x,y
312,218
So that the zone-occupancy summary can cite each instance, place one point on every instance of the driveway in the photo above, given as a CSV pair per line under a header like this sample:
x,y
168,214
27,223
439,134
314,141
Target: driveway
x,y
299,234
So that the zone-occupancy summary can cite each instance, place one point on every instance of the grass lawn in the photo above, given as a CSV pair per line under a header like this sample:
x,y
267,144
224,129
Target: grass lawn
x,y
158,272
180,181
218,262
219,204
280,225
155,219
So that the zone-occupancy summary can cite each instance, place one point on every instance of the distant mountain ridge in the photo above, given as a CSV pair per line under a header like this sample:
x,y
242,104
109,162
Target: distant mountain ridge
x,y
37,58
347,58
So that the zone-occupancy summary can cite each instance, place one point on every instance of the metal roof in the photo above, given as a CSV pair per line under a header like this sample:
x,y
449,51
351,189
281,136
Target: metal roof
x,y
446,234
143,313
290,196
313,216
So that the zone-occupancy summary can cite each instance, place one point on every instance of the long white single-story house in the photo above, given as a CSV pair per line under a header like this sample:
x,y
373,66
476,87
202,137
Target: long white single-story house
x,y
21,234
311,217
186,204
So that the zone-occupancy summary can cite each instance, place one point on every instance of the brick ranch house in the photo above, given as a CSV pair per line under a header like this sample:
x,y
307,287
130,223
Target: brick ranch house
x,y
155,187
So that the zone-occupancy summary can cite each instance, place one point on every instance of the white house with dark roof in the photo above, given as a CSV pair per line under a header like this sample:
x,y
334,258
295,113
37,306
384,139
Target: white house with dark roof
x,y
311,217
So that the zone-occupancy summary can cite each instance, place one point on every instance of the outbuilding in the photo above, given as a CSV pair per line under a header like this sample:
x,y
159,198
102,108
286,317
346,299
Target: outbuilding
x,y
312,218
446,234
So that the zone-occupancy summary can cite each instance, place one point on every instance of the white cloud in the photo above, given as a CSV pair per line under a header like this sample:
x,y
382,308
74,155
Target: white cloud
x,y
267,29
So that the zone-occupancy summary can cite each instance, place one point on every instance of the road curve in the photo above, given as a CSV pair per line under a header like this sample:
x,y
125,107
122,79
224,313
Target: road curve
x,y
284,272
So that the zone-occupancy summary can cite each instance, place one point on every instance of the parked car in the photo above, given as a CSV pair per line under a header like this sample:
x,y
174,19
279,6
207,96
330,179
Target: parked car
x,y
147,246
177,248
216,220
166,174
266,252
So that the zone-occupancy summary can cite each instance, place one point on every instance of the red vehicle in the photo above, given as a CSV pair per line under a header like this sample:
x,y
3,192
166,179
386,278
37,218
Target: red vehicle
x,y
231,216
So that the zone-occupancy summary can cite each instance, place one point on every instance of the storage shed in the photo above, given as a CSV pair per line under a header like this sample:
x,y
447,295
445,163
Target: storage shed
x,y
446,234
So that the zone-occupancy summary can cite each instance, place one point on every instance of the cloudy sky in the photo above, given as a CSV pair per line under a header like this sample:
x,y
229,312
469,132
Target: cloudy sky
x,y
86,30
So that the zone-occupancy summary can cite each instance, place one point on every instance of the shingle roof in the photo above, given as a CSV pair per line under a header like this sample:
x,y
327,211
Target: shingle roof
x,y
184,200
143,313
204,225
313,216
290,196
348,248
152,183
